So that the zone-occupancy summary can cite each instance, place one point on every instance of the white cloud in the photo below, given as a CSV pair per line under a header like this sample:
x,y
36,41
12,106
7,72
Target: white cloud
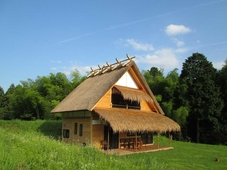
x,y
139,46
172,29
53,68
53,61
218,65
181,50
69,67
82,69
163,58
178,42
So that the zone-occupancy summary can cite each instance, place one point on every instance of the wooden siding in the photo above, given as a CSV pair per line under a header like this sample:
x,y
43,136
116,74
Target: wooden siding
x,y
144,106
105,100
69,124
97,135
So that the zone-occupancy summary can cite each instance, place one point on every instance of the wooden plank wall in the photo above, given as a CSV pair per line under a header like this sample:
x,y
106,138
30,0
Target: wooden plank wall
x,y
97,135
144,106
76,138
105,102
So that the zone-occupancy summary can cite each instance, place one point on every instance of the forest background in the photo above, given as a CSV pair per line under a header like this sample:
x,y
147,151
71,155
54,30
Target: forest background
x,y
196,98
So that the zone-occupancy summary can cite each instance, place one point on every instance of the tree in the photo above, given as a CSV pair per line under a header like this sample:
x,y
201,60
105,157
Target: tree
x,y
202,95
7,110
154,78
35,99
168,92
76,78
2,102
222,82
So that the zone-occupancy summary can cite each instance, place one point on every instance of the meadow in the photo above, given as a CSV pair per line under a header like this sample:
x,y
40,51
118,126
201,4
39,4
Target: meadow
x,y
36,145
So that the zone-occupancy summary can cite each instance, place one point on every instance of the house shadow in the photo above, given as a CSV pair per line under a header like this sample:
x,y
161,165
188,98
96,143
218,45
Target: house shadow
x,y
51,128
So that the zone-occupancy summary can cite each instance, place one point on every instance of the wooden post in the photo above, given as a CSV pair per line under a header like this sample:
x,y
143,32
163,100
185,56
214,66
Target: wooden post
x,y
170,139
158,140
136,141
108,139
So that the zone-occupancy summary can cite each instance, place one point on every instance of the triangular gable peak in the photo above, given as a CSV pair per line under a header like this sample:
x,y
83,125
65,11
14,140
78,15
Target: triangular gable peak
x,y
132,86
127,81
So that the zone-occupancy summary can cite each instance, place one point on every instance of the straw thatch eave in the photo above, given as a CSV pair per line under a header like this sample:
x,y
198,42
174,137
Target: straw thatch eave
x,y
124,120
133,94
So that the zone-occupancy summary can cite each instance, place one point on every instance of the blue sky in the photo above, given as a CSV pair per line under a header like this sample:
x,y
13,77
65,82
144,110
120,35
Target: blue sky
x,y
50,36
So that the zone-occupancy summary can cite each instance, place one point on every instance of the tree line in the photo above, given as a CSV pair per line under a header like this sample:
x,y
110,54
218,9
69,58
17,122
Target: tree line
x,y
196,98
34,99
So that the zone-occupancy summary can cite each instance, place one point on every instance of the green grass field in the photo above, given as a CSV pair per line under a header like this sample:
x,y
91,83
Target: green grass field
x,y
35,145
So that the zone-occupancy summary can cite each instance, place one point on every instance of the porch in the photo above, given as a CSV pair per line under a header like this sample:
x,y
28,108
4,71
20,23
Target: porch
x,y
145,148
160,143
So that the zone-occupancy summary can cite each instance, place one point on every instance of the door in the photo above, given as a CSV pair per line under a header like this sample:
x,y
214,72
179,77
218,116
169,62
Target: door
x,y
113,137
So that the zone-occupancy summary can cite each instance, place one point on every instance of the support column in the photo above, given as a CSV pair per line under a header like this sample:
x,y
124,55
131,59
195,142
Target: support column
x,y
158,139
136,142
108,139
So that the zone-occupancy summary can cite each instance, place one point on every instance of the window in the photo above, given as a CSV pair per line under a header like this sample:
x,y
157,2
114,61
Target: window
x,y
75,128
131,134
65,133
81,129
119,102
147,137
132,104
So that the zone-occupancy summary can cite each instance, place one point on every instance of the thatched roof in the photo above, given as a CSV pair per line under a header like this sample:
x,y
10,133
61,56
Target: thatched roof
x,y
89,92
123,120
133,94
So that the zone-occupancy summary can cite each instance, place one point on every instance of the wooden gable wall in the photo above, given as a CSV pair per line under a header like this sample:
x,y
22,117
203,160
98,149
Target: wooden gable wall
x,y
105,101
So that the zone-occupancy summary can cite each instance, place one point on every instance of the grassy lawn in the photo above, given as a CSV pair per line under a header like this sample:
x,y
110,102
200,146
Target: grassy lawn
x,y
187,155
33,145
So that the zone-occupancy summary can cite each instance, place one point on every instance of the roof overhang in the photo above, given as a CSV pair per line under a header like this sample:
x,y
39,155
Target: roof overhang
x,y
133,94
124,120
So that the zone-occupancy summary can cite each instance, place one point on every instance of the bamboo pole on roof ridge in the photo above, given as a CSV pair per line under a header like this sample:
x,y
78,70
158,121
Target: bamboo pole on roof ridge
x,y
119,62
100,68
108,65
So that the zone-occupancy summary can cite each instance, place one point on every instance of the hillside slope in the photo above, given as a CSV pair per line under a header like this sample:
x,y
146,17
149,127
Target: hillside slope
x,y
35,145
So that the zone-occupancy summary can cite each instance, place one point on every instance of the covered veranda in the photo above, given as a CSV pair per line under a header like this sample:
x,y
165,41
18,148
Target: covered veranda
x,y
136,121
163,144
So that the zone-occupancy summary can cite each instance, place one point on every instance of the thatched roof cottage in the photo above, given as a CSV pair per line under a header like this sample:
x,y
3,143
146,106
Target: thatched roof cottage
x,y
113,105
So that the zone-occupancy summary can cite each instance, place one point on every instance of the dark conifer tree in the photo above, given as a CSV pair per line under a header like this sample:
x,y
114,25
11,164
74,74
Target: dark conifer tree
x,y
203,98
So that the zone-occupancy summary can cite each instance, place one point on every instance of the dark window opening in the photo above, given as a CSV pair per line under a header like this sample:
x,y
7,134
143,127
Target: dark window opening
x,y
65,133
132,104
81,129
147,138
119,102
131,134
75,128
